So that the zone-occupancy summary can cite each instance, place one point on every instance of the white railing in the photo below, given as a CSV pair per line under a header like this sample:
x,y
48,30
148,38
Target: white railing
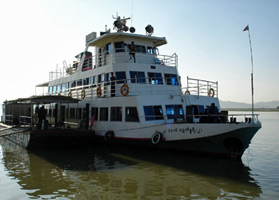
x,y
107,58
201,87
145,86
223,118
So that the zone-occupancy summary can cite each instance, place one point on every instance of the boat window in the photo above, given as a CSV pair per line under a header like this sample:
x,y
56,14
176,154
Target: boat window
x,y
108,48
103,114
93,80
50,90
63,87
85,81
78,113
79,82
94,113
171,79
140,49
156,51
174,111
54,89
99,78
119,47
73,84
153,113
150,50
120,77
155,78
72,113
87,64
137,77
116,114
131,114
58,89
105,77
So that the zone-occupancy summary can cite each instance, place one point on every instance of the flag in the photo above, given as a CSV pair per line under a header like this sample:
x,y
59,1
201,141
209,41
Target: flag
x,y
246,28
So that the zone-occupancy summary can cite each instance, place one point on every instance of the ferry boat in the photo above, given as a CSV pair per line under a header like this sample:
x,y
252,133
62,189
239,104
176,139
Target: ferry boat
x,y
127,92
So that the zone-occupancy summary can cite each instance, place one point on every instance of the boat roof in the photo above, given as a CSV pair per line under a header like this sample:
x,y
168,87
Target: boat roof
x,y
44,100
45,84
104,39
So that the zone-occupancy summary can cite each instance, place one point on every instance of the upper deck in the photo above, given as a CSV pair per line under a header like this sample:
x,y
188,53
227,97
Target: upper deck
x,y
150,73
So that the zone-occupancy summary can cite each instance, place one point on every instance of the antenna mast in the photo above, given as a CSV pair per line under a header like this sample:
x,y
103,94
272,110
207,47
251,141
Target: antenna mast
x,y
252,63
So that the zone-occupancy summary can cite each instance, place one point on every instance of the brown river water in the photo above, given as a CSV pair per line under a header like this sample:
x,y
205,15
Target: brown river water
x,y
106,172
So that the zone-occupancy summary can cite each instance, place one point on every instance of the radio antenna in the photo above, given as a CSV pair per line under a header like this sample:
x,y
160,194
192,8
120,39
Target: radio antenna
x,y
132,13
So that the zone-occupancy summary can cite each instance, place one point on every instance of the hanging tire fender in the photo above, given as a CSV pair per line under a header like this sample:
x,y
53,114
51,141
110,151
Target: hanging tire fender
x,y
109,135
156,138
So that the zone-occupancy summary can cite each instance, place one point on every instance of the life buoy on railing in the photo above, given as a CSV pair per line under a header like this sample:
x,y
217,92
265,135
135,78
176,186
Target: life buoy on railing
x,y
187,92
124,89
156,138
211,92
99,91
70,94
83,94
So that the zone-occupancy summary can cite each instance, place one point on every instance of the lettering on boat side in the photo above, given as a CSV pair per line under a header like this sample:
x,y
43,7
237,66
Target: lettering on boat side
x,y
191,130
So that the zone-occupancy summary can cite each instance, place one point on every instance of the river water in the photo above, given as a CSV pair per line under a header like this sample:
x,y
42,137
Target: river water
x,y
121,173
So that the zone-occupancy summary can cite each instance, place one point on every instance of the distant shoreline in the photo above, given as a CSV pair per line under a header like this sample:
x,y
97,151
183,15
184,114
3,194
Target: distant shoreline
x,y
249,109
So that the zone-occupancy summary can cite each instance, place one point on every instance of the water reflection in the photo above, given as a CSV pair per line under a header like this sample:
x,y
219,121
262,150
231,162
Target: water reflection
x,y
119,173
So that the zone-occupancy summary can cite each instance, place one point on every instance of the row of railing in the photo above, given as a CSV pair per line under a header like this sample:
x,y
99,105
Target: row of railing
x,y
135,86
201,87
112,58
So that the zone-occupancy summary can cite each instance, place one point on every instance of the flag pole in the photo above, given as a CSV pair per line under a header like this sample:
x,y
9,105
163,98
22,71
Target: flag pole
x,y
252,71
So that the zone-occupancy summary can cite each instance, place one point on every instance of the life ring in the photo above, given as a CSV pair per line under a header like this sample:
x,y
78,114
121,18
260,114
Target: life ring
x,y
124,89
99,91
70,94
187,92
211,92
83,94
109,135
156,138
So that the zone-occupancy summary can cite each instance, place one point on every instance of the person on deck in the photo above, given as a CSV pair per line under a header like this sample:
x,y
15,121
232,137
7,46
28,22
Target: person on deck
x,y
132,52
212,113
42,116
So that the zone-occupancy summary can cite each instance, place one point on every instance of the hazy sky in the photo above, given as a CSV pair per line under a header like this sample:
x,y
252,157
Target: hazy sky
x,y
38,35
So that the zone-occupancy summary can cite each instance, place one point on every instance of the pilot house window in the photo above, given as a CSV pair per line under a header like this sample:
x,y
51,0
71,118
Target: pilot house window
x,y
119,47
137,77
171,79
155,78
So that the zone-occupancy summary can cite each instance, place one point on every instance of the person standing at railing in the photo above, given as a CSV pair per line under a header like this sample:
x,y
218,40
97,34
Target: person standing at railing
x,y
42,116
112,85
132,51
213,113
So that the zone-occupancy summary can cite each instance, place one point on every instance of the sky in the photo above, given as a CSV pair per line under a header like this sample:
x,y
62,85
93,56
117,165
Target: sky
x,y
38,35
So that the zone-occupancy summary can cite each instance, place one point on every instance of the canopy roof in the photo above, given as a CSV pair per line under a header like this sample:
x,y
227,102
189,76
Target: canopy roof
x,y
108,37
44,100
